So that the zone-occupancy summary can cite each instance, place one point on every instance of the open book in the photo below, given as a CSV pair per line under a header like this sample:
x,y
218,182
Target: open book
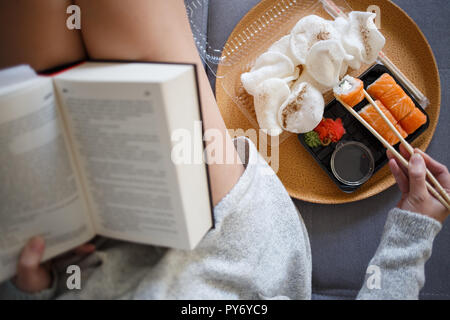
x,y
88,152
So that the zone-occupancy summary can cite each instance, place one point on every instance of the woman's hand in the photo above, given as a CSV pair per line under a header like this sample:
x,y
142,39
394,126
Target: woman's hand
x,y
415,195
32,276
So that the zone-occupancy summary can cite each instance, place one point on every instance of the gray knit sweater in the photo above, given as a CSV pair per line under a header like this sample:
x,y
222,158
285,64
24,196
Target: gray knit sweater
x,y
259,249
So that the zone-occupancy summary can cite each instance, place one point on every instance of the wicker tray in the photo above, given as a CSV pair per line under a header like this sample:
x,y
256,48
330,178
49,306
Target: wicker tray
x,y
304,179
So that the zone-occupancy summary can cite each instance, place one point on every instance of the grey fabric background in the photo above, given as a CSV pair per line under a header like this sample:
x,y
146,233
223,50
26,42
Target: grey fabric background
x,y
345,237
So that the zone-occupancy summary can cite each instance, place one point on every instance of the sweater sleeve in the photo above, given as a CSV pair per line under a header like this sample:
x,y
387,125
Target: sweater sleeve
x,y
258,248
8,291
397,269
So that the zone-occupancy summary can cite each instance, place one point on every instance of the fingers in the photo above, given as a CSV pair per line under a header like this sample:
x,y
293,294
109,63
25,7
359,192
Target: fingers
x,y
390,156
31,256
437,169
399,175
404,152
74,256
417,174
31,275
85,249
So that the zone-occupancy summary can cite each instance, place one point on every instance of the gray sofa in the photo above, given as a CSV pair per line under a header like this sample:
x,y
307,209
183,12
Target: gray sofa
x,y
345,237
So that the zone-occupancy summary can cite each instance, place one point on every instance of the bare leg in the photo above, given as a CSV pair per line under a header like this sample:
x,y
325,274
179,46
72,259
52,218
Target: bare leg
x,y
156,30
34,32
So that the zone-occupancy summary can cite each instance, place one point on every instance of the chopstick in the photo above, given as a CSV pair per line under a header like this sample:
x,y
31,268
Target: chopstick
x,y
392,149
407,146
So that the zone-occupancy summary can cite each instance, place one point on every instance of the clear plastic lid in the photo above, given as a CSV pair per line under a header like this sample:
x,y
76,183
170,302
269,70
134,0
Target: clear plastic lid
x,y
263,29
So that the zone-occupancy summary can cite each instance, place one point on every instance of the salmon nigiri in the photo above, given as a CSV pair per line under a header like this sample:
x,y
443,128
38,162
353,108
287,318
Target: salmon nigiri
x,y
371,115
402,108
413,121
350,90
381,86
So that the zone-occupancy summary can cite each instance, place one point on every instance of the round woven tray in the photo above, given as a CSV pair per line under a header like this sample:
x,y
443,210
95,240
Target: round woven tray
x,y
406,46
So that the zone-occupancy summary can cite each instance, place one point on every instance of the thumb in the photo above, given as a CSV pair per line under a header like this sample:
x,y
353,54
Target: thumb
x,y
31,275
417,179
31,256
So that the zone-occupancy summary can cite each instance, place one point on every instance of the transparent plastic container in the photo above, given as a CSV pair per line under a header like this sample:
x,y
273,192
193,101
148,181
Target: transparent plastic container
x,y
240,52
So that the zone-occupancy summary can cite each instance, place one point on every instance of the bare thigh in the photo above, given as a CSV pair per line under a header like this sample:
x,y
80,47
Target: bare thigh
x,y
34,32
137,30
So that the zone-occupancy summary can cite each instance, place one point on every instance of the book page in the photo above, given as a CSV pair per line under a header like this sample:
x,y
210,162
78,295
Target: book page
x,y
122,144
39,190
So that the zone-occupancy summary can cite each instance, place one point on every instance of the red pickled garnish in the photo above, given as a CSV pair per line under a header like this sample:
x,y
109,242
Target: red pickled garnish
x,y
330,130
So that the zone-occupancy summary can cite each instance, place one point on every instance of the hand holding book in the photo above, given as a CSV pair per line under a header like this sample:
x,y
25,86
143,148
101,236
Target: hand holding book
x,y
32,276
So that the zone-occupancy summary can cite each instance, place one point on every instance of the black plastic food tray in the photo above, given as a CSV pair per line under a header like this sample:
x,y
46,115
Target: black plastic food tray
x,y
355,131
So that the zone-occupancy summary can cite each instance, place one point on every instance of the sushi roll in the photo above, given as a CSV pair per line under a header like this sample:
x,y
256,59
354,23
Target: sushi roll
x,y
371,115
413,121
350,90
402,108
392,96
382,85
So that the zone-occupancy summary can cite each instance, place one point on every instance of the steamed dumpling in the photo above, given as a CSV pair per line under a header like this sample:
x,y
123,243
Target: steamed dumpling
x,y
271,94
344,68
365,36
361,38
306,77
341,25
303,109
293,77
308,31
268,65
283,46
325,62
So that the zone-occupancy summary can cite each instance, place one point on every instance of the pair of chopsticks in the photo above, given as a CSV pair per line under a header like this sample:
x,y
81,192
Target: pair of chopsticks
x,y
442,195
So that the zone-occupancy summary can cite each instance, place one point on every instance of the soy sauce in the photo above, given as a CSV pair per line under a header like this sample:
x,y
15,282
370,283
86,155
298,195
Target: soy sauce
x,y
352,163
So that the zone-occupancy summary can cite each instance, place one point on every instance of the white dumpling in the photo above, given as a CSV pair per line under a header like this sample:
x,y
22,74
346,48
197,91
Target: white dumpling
x,y
268,65
344,68
341,25
303,109
293,77
360,37
325,61
306,77
283,46
270,95
308,31
299,47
